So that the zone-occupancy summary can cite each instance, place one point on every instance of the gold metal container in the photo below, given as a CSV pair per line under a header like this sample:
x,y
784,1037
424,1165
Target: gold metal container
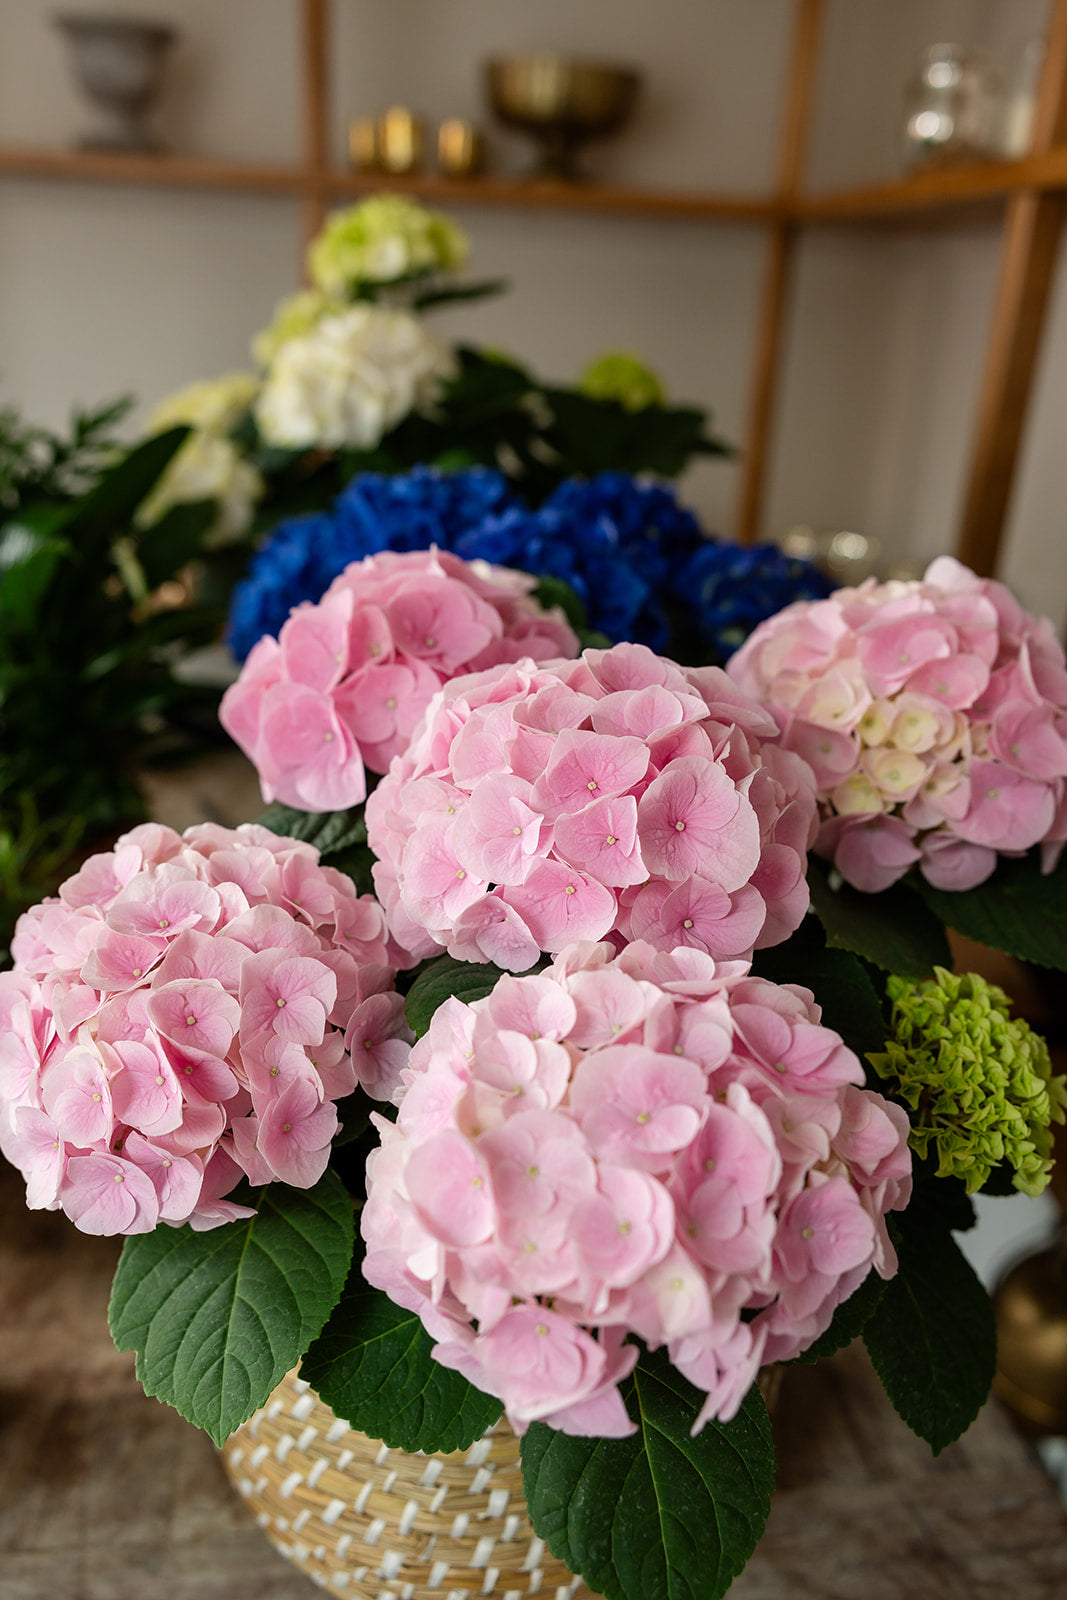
x,y
460,148
1031,1308
562,102
400,140
363,143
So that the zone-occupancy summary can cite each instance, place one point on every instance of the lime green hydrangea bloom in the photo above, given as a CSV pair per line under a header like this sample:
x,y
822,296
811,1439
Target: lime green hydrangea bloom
x,y
385,239
214,404
979,1082
294,316
618,375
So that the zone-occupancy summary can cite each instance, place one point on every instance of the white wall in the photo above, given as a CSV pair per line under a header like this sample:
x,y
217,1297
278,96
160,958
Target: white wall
x,y
105,289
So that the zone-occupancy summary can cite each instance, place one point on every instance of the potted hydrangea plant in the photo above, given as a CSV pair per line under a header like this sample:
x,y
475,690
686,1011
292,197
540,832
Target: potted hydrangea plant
x,y
557,1087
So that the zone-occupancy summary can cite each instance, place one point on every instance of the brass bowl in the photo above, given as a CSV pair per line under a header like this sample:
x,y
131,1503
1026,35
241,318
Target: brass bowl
x,y
1031,1308
562,102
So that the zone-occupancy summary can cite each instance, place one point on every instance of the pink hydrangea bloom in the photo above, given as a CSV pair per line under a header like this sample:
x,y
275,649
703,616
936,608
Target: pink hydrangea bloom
x,y
345,683
934,716
188,1011
618,796
647,1142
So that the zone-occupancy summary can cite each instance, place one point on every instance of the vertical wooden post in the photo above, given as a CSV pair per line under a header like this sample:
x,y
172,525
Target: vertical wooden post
x,y
777,270
315,56
1029,250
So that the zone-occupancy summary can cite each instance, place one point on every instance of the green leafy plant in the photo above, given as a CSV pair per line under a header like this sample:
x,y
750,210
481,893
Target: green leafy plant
x,y
88,690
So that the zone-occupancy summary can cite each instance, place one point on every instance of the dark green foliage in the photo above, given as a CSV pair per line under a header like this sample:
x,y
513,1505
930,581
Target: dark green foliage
x,y
1019,909
217,1319
339,836
87,687
443,977
660,1515
893,930
932,1337
840,982
372,1365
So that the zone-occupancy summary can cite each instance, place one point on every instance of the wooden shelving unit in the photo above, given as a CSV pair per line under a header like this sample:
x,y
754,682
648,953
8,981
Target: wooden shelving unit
x,y
1030,194
185,172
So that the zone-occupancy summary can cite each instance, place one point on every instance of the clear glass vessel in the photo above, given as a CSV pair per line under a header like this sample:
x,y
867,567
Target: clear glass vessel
x,y
954,107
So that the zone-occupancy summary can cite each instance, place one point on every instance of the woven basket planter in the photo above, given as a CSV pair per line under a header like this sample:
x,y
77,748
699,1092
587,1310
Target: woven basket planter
x,y
378,1524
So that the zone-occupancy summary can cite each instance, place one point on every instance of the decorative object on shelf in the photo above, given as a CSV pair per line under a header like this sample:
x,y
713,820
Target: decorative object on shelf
x,y
562,103
401,137
119,65
953,108
363,144
460,148
1020,99
842,553
1031,1308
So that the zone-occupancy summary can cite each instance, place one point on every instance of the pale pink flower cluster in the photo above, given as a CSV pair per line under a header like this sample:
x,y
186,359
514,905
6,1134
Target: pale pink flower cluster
x,y
934,716
348,678
187,1011
618,794
644,1143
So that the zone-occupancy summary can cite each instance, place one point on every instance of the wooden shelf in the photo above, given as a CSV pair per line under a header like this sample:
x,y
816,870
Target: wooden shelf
x,y
195,172
937,189
176,172
556,196
926,193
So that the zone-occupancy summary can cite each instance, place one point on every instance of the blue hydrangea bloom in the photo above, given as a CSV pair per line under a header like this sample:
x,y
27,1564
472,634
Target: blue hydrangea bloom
x,y
731,588
636,558
408,511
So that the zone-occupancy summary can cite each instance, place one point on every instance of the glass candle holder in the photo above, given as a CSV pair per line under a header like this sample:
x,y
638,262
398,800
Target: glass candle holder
x,y
954,108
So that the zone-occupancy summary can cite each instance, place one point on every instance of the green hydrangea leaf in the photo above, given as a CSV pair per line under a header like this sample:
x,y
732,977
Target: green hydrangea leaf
x,y
372,1365
552,591
95,518
932,1337
894,930
849,1321
467,980
331,832
1019,909
660,1515
218,1318
172,541
838,980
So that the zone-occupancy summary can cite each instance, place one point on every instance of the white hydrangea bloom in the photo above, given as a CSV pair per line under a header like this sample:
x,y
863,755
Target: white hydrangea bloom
x,y
209,465
351,379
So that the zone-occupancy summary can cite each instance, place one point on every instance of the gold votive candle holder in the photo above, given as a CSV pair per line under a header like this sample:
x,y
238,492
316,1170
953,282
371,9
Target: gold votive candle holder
x,y
400,140
460,148
363,143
